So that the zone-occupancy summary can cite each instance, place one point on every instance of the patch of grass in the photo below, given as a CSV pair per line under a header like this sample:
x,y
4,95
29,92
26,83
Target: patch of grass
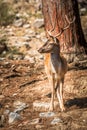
x,y
36,15
7,14
3,40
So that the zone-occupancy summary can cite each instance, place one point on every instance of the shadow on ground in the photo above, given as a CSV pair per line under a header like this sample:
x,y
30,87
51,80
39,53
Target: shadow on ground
x,y
79,102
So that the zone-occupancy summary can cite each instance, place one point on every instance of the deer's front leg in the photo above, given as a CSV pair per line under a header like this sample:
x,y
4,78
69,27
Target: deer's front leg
x,y
53,92
61,96
58,93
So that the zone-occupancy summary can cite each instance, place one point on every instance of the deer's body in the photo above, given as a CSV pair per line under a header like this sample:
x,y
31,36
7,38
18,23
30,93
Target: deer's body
x,y
55,64
56,67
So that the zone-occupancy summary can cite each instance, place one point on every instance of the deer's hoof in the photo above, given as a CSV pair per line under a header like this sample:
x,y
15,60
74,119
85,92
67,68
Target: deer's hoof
x,y
63,109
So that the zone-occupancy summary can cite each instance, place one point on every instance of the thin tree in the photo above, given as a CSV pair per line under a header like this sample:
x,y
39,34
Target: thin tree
x,y
62,20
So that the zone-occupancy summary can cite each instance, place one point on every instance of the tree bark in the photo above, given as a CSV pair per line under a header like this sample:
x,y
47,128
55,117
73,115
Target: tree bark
x,y
57,16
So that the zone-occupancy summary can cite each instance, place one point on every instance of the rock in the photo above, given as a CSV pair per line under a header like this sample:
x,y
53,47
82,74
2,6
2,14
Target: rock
x,y
14,94
30,33
41,57
19,106
83,11
13,116
18,16
2,97
33,53
3,47
34,121
27,39
26,57
47,114
16,57
39,127
55,121
42,106
38,36
20,44
82,1
6,112
44,39
2,59
38,6
26,26
24,48
38,23
2,119
1,80
31,59
18,23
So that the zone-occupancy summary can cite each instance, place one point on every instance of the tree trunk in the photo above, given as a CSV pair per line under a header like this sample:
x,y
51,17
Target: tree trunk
x,y
63,18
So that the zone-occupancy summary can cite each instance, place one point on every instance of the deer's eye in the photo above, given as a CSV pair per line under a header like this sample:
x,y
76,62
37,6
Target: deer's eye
x,y
50,46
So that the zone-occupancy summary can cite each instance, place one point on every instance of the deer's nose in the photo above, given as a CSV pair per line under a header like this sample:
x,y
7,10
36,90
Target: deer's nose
x,y
40,50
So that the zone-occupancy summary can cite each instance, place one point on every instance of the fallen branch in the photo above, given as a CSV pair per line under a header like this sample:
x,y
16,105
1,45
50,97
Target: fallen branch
x,y
12,76
78,65
29,82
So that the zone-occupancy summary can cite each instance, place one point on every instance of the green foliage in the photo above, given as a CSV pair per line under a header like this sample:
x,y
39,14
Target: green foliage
x,y
3,40
6,13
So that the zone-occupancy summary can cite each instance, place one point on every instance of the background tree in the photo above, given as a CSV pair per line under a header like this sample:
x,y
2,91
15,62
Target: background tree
x,y
62,20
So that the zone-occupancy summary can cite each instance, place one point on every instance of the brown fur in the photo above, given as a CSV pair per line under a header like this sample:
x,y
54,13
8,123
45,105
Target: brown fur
x,y
56,67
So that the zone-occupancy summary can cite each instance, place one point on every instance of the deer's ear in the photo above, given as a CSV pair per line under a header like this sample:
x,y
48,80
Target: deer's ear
x,y
56,41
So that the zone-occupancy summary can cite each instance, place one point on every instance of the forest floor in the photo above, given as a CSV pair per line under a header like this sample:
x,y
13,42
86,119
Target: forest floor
x,y
23,80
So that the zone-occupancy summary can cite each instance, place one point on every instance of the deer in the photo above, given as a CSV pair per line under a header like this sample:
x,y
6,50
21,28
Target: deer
x,y
55,66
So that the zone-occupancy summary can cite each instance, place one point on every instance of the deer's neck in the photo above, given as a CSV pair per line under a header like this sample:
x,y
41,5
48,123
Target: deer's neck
x,y
55,56
55,61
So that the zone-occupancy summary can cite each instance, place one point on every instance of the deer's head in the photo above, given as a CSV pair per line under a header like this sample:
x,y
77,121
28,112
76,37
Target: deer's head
x,y
50,47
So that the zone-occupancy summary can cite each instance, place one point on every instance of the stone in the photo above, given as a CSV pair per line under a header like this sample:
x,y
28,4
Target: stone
x,y
18,23
31,59
6,112
42,106
14,94
3,47
38,23
38,36
27,39
83,11
47,114
38,6
19,106
30,33
55,121
39,127
24,48
26,26
17,57
13,116
2,119
1,59
2,97
44,39
34,121
18,16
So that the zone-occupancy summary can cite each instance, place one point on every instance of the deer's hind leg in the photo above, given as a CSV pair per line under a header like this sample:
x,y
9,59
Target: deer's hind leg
x,y
60,94
53,92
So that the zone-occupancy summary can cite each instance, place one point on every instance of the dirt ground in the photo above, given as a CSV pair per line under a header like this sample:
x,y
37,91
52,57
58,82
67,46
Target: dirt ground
x,y
21,80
